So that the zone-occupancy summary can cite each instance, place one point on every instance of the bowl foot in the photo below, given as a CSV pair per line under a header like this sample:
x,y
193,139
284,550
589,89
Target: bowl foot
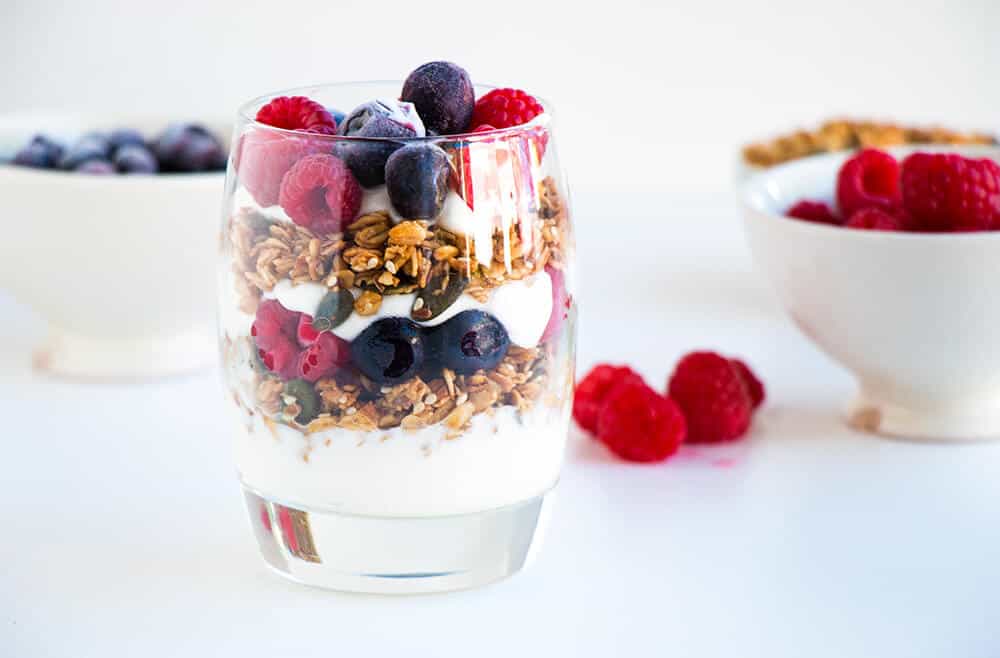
x,y
955,422
71,355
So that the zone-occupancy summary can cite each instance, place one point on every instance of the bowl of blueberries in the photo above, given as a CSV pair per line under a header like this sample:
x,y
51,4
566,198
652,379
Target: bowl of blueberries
x,y
111,239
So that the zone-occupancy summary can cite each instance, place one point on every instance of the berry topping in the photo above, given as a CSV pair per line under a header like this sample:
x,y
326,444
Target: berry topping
x,y
875,219
755,387
92,146
813,211
187,147
592,390
946,192
713,397
263,158
470,341
868,180
416,178
99,167
320,193
503,108
297,113
304,399
387,120
135,159
125,137
390,350
324,357
444,97
640,425
41,152
561,303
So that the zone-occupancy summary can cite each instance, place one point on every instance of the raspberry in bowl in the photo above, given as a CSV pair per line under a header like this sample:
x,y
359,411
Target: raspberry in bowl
x,y
396,319
106,238
886,260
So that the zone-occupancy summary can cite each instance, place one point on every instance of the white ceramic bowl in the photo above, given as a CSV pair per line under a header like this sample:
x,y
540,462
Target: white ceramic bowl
x,y
913,316
121,267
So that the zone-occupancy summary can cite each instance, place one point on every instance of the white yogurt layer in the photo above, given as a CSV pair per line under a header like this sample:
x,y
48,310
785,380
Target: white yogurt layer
x,y
523,307
499,461
243,199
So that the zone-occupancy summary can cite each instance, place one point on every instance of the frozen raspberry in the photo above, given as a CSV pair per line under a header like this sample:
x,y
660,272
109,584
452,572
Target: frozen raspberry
x,y
946,192
813,211
755,387
713,397
263,158
327,354
273,321
305,332
875,220
640,425
320,193
281,357
297,113
592,390
868,180
503,108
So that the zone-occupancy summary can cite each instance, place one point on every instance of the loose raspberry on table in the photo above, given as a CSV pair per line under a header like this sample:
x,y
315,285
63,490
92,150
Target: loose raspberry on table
x,y
813,211
324,357
710,391
503,108
947,192
263,158
298,113
640,425
874,219
868,180
320,193
755,387
592,390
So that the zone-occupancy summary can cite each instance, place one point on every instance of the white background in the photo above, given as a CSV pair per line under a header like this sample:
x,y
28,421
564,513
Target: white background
x,y
121,528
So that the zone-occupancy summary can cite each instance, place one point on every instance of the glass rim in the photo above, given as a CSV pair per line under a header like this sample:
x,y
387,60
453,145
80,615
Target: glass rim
x,y
246,114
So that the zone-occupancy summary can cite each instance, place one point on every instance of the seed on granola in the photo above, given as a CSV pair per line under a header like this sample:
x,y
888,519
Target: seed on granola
x,y
430,399
462,399
418,407
351,411
443,287
390,267
368,302
301,402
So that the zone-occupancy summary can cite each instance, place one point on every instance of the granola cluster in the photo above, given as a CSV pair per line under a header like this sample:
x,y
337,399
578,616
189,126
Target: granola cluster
x,y
843,134
375,258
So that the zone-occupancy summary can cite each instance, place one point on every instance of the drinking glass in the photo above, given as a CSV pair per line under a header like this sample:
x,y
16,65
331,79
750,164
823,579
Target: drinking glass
x,y
400,378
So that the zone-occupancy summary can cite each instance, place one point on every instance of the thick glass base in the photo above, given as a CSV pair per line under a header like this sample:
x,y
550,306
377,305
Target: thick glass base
x,y
401,555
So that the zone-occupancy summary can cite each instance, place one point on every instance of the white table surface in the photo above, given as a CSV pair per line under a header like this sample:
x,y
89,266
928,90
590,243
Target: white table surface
x,y
124,534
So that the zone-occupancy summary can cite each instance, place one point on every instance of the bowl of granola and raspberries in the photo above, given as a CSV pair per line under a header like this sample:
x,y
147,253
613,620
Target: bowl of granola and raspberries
x,y
396,322
886,259
106,238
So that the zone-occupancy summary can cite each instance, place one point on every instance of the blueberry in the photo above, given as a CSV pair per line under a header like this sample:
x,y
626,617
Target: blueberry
x,y
444,97
416,178
400,112
187,147
41,152
385,120
135,159
390,350
470,341
125,137
95,166
92,146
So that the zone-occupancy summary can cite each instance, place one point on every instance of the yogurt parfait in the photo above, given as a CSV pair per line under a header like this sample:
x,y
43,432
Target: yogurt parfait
x,y
397,328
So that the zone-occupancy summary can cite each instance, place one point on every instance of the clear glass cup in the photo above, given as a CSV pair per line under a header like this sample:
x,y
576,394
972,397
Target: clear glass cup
x,y
401,386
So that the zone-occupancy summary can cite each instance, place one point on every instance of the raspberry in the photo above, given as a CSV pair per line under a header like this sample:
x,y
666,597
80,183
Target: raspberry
x,y
813,211
306,333
323,358
640,425
503,108
273,322
875,220
320,193
946,192
713,397
281,357
262,158
297,113
592,390
755,387
868,180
